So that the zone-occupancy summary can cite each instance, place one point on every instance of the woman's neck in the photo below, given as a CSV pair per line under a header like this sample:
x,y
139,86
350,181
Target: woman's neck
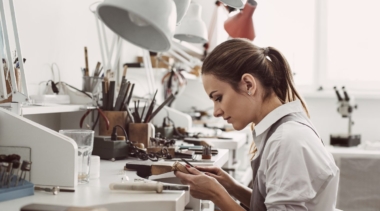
x,y
268,106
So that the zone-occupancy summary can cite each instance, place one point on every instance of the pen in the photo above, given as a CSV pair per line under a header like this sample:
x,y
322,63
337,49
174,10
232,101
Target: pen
x,y
86,73
111,95
120,96
129,96
97,69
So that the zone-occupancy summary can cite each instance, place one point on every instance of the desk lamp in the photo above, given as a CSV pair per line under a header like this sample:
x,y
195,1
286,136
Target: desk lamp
x,y
192,28
149,24
182,6
19,94
241,24
234,3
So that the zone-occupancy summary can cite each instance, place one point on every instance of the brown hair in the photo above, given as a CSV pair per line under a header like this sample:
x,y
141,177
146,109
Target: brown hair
x,y
233,58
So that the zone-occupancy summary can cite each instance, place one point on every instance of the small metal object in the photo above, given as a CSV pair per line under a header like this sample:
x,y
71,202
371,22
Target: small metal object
x,y
5,167
206,152
16,165
3,158
25,167
54,190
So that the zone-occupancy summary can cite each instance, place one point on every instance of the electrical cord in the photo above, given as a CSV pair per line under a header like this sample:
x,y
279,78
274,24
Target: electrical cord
x,y
114,133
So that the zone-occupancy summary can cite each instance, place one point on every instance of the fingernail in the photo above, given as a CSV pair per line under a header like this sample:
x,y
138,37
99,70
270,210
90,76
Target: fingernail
x,y
187,166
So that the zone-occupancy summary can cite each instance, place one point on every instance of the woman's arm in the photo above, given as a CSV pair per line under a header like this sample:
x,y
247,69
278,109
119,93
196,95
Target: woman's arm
x,y
240,192
208,188
225,202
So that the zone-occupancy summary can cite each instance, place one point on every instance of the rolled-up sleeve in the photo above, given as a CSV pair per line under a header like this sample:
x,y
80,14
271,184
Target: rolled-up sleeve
x,y
295,168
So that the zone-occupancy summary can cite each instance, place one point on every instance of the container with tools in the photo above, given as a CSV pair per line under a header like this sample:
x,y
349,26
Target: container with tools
x,y
13,173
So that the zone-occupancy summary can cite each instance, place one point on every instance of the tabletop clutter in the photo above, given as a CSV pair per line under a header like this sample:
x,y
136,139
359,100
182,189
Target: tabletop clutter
x,y
125,128
13,183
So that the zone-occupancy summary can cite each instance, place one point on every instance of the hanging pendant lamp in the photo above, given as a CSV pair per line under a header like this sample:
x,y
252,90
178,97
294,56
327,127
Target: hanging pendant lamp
x,y
192,28
149,24
241,24
234,3
182,6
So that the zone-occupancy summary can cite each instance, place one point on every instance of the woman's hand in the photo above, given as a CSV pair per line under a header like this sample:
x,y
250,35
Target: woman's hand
x,y
201,185
223,177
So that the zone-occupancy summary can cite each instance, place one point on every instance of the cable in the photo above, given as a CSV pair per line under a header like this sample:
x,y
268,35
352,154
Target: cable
x,y
114,133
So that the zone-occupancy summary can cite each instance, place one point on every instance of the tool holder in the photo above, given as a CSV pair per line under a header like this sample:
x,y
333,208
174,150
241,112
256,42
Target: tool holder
x,y
10,188
14,192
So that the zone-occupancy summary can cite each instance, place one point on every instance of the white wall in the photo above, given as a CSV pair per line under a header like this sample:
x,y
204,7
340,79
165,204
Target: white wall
x,y
323,112
57,31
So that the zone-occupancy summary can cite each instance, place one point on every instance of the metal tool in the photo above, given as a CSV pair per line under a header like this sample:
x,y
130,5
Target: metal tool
x,y
54,190
100,111
187,162
25,167
6,167
15,165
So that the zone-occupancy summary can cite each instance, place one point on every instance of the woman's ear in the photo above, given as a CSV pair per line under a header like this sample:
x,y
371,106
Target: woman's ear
x,y
249,83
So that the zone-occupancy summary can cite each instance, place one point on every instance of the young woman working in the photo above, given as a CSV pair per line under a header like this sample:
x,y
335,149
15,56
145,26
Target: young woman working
x,y
291,168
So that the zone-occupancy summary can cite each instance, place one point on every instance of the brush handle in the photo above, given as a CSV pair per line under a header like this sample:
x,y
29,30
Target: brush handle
x,y
158,187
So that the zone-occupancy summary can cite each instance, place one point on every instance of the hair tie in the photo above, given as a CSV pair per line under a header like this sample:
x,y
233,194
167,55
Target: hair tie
x,y
266,51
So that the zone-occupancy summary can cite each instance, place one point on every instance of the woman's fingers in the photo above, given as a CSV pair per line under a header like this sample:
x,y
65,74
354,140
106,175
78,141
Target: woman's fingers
x,y
211,169
193,170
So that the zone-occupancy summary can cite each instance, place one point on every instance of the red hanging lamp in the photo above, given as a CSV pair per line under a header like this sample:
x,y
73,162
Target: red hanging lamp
x,y
241,24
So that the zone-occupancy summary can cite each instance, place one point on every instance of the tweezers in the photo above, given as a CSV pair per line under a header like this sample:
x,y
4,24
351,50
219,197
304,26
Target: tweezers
x,y
187,162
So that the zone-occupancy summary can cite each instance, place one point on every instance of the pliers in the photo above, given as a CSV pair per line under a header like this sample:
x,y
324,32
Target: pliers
x,y
97,118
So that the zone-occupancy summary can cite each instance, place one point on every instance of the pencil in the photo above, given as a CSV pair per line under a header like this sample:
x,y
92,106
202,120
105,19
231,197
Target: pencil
x,y
86,73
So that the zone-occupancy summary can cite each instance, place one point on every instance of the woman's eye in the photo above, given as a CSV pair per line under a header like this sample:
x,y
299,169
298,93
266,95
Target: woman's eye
x,y
218,99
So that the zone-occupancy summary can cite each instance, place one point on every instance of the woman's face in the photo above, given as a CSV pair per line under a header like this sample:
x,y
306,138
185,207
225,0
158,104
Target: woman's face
x,y
236,108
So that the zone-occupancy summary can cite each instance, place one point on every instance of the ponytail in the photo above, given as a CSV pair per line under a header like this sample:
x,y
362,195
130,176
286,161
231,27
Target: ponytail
x,y
283,84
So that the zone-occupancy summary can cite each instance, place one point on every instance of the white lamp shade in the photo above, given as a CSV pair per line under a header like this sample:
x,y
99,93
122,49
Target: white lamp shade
x,y
182,6
149,24
192,28
234,3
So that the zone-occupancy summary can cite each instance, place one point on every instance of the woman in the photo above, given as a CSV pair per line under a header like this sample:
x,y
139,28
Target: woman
x,y
291,168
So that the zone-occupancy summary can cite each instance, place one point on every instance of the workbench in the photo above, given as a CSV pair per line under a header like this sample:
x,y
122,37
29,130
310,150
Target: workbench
x,y
97,192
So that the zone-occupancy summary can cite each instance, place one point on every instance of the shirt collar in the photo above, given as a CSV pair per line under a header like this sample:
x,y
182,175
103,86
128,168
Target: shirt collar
x,y
276,114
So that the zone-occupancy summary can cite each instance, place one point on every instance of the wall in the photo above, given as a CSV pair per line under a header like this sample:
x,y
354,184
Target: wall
x,y
322,108
57,31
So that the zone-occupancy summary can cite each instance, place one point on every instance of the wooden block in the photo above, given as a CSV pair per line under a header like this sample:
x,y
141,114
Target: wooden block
x,y
157,63
115,118
141,133
177,166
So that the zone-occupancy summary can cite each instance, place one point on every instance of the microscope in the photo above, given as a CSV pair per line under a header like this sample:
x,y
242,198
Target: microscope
x,y
345,108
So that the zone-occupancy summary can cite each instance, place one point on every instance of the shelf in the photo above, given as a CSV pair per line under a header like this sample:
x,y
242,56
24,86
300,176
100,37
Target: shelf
x,y
48,108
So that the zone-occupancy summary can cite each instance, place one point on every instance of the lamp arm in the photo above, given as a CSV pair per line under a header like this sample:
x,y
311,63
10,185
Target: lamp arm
x,y
17,95
184,57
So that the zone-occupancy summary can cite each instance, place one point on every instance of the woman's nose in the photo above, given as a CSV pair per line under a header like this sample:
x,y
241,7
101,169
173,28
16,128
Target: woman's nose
x,y
217,112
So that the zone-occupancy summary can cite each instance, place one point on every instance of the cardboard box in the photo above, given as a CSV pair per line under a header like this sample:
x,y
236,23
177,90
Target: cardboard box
x,y
156,63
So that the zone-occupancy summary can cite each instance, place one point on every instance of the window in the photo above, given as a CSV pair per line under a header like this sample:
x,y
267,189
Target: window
x,y
352,43
327,42
289,26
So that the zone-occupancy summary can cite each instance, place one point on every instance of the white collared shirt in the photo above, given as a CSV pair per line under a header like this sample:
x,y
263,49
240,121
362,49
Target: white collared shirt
x,y
297,171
